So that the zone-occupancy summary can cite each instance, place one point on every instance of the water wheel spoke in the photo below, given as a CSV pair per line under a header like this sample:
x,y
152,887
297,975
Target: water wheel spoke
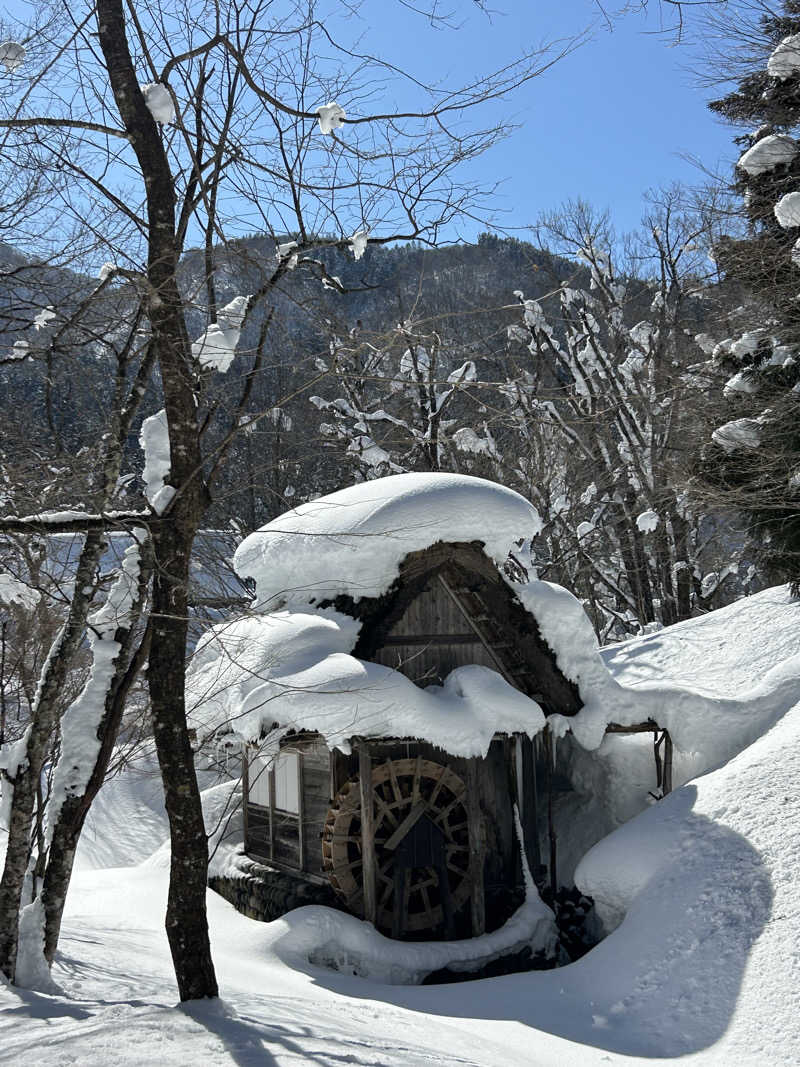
x,y
385,811
438,786
398,792
386,893
399,786
426,901
415,786
450,807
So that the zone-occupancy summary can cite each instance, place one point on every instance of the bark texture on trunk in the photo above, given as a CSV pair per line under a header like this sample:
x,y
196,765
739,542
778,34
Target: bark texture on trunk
x,y
44,714
186,924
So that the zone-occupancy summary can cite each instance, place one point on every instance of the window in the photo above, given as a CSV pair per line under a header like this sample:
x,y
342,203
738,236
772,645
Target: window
x,y
286,768
287,782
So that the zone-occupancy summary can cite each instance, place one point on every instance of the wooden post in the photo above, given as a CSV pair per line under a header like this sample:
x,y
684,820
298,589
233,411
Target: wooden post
x,y
475,828
271,781
367,833
301,812
549,753
530,815
667,787
245,792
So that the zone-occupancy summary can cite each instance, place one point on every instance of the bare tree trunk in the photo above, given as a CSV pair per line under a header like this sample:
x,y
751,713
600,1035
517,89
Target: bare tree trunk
x,y
66,831
186,923
44,715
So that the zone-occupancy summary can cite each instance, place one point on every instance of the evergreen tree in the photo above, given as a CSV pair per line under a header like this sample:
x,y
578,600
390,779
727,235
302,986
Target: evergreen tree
x,y
754,462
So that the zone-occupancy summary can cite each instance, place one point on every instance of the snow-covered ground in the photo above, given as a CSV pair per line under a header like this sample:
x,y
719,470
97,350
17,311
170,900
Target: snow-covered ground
x,y
703,966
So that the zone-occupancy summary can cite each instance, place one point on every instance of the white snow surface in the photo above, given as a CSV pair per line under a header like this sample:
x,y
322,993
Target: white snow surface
x,y
785,60
769,152
787,210
13,591
159,102
293,669
702,969
353,541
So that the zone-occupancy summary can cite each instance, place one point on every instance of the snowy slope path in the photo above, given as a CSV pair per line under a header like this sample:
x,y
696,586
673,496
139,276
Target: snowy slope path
x,y
703,968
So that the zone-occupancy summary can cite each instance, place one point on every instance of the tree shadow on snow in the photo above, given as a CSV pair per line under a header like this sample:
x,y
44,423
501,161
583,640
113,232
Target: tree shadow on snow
x,y
664,983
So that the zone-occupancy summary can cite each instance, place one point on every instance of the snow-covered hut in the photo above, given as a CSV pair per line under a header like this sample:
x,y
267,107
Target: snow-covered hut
x,y
398,692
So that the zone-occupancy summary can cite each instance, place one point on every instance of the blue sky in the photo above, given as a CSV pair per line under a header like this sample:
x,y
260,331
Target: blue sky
x,y
607,122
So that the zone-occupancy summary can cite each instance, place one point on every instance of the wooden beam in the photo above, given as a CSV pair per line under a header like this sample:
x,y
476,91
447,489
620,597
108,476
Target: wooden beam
x,y
530,815
637,728
245,792
410,820
667,781
271,781
301,812
368,866
475,829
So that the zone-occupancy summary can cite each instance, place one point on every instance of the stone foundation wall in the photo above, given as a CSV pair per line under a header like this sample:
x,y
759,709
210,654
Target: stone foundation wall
x,y
265,893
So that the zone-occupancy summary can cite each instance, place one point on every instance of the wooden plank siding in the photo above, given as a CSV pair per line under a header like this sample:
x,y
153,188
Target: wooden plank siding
x,y
431,638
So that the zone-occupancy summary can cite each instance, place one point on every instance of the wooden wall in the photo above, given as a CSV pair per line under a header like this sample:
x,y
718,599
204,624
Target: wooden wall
x,y
432,638
289,840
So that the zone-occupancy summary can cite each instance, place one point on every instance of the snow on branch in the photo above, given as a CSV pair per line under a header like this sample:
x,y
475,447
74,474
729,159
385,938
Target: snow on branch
x,y
154,439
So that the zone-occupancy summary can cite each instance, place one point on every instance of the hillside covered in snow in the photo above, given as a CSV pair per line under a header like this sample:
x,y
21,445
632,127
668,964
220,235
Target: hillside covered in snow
x,y
698,896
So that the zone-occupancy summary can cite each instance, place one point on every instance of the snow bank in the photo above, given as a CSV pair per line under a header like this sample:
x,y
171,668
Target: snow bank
x,y
332,939
710,728
293,670
353,541
701,892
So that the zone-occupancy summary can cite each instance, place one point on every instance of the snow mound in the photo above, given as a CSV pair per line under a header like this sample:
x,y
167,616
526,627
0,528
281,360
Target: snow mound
x,y
332,939
714,865
352,542
292,670
769,152
720,653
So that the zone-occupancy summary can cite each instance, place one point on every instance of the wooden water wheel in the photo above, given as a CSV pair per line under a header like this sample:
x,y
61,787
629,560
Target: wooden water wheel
x,y
404,791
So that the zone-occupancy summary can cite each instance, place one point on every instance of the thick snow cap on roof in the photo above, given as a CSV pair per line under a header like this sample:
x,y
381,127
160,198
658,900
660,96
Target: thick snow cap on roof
x,y
353,541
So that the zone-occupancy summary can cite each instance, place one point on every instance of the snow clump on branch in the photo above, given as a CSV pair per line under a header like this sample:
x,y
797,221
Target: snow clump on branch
x,y
11,55
154,439
358,243
767,153
331,116
787,210
216,347
785,60
648,521
159,102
